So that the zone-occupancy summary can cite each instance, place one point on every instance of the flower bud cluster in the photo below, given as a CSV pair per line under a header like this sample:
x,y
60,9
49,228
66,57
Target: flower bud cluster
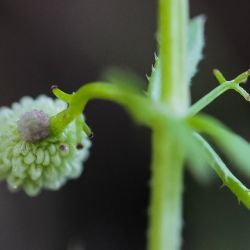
x,y
30,158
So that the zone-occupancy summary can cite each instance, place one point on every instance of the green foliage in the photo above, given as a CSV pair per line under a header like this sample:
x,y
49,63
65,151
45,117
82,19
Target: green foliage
x,y
176,130
198,164
228,179
147,110
154,86
195,46
150,111
235,147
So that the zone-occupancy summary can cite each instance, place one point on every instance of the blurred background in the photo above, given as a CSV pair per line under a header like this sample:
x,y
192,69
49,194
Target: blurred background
x,y
69,43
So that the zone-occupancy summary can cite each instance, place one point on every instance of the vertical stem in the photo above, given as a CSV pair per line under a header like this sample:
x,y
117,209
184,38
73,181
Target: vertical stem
x,y
166,194
166,209
173,20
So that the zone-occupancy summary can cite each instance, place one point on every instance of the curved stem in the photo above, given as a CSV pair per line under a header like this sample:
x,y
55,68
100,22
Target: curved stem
x,y
228,179
141,108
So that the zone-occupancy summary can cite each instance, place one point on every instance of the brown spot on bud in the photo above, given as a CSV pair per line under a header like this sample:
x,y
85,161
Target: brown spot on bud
x,y
64,147
79,146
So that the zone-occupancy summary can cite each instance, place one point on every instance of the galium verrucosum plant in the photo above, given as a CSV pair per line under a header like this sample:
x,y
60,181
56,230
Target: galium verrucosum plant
x,y
44,141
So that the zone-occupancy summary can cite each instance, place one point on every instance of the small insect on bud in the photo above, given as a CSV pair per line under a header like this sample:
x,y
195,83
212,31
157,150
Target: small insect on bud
x,y
34,125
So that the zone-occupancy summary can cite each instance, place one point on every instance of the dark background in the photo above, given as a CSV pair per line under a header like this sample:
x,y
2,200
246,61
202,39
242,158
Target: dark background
x,y
69,43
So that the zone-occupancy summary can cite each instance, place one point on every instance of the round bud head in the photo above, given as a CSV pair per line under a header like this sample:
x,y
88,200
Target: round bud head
x,y
30,158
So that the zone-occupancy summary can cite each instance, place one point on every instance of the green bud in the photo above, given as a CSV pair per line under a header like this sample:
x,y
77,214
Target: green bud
x,y
30,158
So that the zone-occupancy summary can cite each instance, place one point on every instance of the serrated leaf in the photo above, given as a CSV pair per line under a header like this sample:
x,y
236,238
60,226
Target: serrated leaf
x,y
195,45
235,147
154,87
228,179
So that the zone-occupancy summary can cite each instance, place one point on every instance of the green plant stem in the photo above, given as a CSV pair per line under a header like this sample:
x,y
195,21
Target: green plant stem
x,y
166,193
219,76
138,105
222,88
208,98
228,179
215,93
173,20
167,165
